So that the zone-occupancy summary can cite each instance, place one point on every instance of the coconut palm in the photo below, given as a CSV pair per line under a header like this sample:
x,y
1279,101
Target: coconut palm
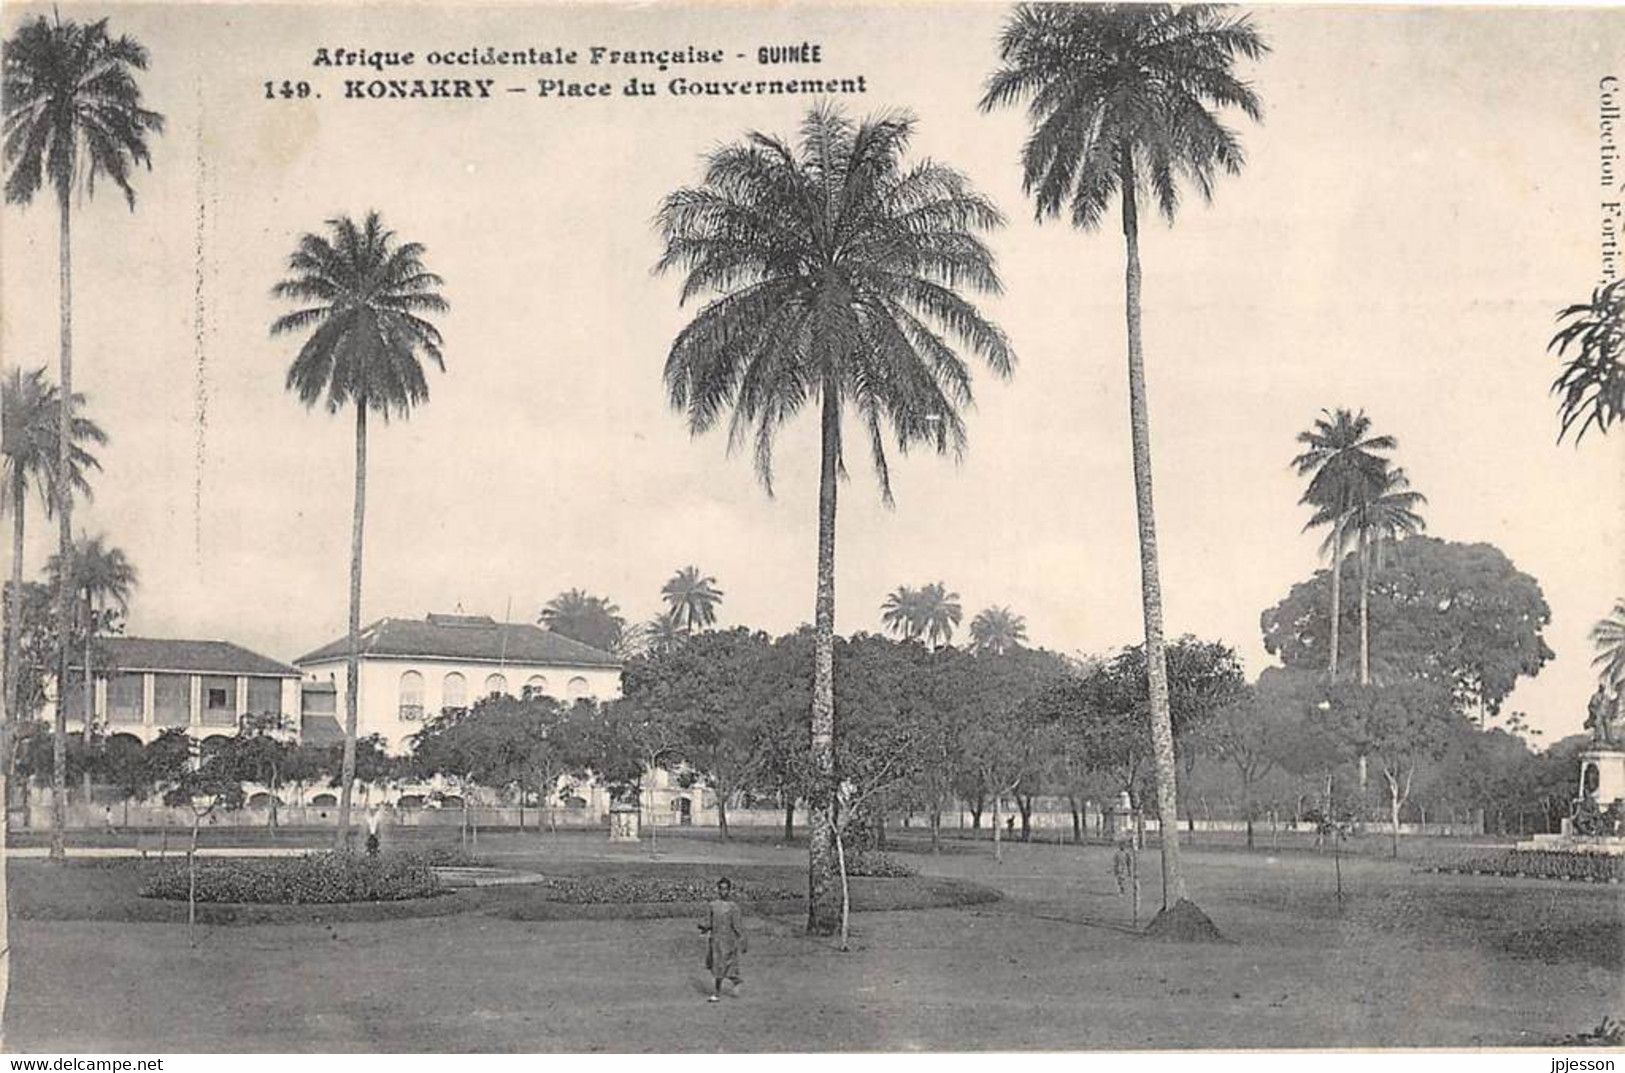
x,y
834,271
940,612
691,599
1124,102
30,408
580,616
99,576
73,114
661,633
997,630
902,613
363,298
1592,383
1608,637
1343,462
1386,511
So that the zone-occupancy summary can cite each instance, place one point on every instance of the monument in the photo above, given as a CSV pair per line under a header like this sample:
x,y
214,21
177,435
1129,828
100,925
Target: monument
x,y
1596,822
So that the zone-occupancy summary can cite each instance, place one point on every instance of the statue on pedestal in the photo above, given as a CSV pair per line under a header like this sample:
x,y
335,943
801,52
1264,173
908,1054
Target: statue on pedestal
x,y
1601,716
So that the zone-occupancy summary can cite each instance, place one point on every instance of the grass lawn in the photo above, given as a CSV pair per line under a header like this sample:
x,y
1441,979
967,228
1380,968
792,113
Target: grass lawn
x,y
1408,960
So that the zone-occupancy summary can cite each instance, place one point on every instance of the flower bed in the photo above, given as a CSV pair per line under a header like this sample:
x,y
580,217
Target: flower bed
x,y
1535,864
876,865
623,890
315,879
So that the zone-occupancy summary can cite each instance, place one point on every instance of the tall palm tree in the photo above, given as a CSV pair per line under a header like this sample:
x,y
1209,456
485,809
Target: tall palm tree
x,y
364,298
834,271
691,599
1385,512
902,613
1592,383
72,114
1608,637
98,575
940,613
1343,462
997,630
1123,100
30,408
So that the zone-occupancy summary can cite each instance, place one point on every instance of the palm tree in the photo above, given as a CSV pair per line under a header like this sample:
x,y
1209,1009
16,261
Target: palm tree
x,y
835,272
30,409
580,616
1343,463
940,613
98,575
73,114
1592,382
997,630
1122,100
1386,511
1608,636
364,298
691,600
662,633
902,613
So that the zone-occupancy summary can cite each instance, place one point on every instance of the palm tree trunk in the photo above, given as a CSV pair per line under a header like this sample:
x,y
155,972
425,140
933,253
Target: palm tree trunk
x,y
1337,592
64,517
1365,609
89,683
14,608
823,894
1162,733
352,668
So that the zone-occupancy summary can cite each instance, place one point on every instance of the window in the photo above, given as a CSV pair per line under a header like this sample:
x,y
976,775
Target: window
x,y
171,700
495,684
411,710
454,691
125,697
578,687
535,686
220,702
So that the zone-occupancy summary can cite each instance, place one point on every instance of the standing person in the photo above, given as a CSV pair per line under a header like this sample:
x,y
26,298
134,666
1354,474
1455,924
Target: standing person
x,y
1122,866
725,928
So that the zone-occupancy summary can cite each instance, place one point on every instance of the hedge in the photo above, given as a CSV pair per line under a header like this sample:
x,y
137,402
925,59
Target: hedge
x,y
314,879
1536,864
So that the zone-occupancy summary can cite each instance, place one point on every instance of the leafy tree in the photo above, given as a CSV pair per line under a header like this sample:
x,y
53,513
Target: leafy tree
x,y
707,691
691,599
99,575
1123,100
1592,383
1259,729
1343,462
1397,725
592,620
997,630
30,410
364,299
37,647
1458,615
834,271
1608,637
73,114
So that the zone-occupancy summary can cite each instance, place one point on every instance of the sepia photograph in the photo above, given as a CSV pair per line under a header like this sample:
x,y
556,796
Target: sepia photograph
x,y
838,526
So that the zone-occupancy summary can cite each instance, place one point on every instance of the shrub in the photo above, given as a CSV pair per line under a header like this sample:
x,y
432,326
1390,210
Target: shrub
x,y
314,879
441,855
1537,864
876,865
623,890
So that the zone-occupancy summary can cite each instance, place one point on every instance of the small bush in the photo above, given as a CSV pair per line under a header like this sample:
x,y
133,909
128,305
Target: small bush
x,y
1536,864
314,879
873,864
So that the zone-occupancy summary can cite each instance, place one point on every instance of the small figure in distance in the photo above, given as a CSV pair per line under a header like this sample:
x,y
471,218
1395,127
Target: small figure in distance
x,y
725,930
1122,866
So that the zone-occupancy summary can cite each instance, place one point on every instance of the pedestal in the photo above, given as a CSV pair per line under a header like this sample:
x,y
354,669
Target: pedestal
x,y
1602,774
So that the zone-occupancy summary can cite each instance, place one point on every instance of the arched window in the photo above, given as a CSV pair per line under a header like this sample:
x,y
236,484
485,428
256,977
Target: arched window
x,y
495,684
454,691
578,687
411,697
535,686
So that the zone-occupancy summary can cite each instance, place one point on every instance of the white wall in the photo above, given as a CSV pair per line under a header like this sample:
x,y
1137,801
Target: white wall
x,y
378,708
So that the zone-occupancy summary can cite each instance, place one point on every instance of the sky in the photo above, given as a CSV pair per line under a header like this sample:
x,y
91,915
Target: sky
x,y
1422,196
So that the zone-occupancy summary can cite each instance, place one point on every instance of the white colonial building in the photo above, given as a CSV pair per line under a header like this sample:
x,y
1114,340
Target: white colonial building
x,y
412,668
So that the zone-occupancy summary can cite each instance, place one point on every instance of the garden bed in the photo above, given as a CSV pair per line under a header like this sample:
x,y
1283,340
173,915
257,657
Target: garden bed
x,y
314,879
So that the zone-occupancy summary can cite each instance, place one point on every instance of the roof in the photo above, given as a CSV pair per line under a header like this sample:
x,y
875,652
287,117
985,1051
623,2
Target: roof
x,y
193,657
472,638
320,730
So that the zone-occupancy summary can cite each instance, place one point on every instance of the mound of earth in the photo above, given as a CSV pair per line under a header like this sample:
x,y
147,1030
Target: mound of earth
x,y
1182,922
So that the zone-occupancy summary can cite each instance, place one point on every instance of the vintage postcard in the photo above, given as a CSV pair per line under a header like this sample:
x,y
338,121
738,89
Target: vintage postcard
x,y
863,526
